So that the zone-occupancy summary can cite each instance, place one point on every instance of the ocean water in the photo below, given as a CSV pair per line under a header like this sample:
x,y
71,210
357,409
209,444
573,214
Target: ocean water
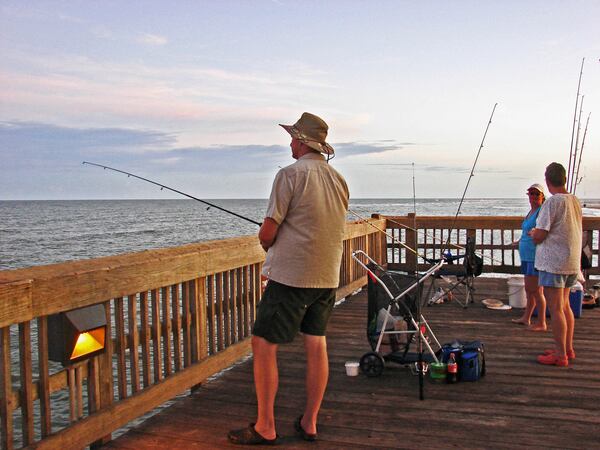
x,y
44,232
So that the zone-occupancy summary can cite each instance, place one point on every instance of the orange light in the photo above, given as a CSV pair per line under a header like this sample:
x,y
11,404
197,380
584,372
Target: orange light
x,y
88,342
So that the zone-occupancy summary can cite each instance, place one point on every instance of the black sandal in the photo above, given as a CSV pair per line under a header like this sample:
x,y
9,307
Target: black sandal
x,y
303,434
249,436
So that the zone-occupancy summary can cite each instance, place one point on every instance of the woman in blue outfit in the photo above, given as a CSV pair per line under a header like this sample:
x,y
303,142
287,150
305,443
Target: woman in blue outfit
x,y
534,293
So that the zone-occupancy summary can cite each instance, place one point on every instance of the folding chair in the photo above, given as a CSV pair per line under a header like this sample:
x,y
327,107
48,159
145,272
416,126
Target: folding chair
x,y
464,273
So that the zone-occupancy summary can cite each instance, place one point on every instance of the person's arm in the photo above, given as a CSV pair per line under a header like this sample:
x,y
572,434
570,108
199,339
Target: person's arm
x,y
538,235
268,233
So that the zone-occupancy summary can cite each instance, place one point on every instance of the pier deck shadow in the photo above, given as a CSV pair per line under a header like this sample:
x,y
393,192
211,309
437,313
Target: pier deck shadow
x,y
519,404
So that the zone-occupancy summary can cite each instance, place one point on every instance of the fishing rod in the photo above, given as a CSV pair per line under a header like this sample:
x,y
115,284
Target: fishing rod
x,y
162,186
574,119
577,180
572,174
471,175
418,294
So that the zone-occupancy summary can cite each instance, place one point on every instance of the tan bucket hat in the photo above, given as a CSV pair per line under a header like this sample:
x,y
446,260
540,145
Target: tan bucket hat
x,y
312,130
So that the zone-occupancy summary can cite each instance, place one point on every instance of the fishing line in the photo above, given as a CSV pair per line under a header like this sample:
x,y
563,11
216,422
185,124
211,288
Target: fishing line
x,y
471,175
162,186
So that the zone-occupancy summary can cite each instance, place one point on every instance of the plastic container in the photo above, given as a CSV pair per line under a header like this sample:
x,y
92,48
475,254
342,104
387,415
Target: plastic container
x,y
437,371
451,370
516,292
352,368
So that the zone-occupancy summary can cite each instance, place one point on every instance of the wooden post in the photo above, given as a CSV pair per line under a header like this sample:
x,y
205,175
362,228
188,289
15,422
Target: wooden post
x,y
219,306
6,406
156,336
44,377
202,316
225,300
121,346
134,342
175,308
100,377
167,331
145,338
186,323
26,379
212,348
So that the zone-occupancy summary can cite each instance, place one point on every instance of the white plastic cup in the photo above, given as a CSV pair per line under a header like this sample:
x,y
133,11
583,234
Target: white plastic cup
x,y
352,368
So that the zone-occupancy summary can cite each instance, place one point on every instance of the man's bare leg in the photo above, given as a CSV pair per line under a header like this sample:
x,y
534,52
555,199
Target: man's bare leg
x,y
317,375
266,383
569,319
555,299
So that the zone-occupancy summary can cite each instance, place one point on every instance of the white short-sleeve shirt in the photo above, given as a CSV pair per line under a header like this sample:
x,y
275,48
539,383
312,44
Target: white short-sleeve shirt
x,y
309,201
560,252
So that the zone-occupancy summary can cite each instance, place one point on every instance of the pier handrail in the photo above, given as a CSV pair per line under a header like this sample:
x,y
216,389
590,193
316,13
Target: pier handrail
x,y
175,316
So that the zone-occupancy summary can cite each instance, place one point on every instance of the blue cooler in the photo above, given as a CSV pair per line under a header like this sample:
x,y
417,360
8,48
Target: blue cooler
x,y
576,300
468,367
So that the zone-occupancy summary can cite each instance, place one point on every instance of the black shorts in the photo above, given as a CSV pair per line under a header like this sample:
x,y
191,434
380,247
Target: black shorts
x,y
285,310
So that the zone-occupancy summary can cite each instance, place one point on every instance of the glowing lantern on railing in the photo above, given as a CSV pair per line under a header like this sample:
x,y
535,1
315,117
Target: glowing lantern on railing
x,y
77,334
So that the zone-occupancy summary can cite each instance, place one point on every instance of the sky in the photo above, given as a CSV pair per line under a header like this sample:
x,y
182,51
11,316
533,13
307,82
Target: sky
x,y
190,94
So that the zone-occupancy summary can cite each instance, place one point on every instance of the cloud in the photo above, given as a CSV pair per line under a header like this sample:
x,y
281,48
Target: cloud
x,y
86,90
151,39
345,149
42,145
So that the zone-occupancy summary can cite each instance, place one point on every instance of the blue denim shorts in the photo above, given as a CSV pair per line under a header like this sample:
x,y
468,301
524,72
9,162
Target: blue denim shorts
x,y
556,280
528,268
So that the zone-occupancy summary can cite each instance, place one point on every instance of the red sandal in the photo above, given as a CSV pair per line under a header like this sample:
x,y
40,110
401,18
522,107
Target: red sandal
x,y
553,360
570,353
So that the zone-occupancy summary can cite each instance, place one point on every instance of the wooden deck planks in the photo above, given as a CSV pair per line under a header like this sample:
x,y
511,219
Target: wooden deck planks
x,y
519,404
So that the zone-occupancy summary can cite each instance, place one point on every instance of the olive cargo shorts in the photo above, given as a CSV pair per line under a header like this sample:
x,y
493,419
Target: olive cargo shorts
x,y
284,310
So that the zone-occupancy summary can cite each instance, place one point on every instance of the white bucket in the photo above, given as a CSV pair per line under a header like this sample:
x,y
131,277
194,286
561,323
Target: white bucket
x,y
352,368
516,292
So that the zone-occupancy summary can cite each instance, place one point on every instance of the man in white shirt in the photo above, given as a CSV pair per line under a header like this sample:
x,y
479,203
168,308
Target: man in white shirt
x,y
558,233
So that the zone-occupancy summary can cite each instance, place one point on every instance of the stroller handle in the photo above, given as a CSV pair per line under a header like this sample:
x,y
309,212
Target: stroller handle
x,y
356,256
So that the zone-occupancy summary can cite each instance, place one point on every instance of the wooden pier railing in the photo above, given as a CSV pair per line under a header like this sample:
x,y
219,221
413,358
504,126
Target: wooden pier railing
x,y
175,317
493,235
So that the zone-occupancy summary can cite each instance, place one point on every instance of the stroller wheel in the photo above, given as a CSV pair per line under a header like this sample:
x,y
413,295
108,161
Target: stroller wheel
x,y
372,364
